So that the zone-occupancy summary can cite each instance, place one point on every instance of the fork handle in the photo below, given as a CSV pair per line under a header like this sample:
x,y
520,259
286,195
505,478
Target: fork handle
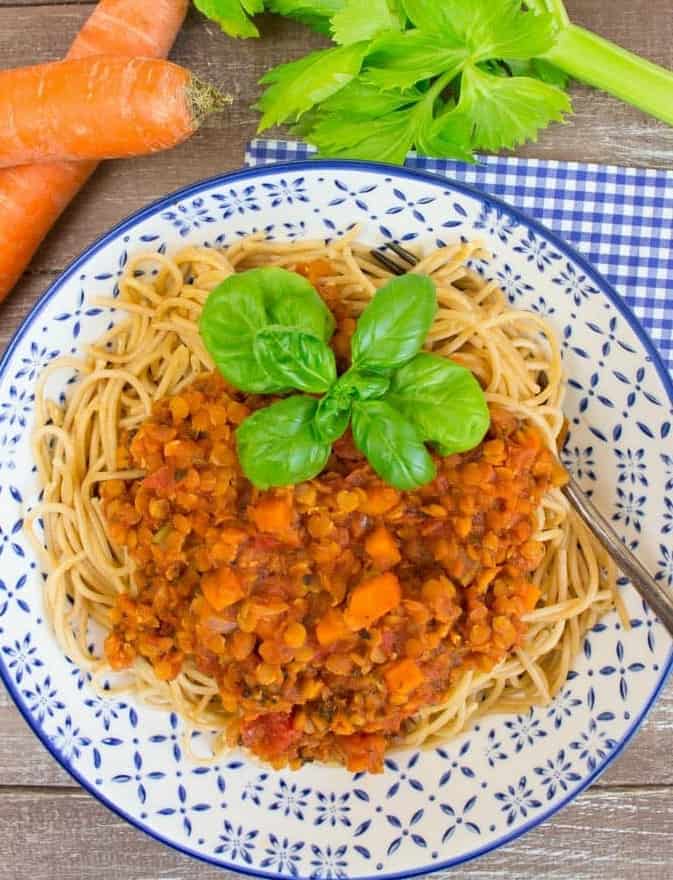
x,y
659,599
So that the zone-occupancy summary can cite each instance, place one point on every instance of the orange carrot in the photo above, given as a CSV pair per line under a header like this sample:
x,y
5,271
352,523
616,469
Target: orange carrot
x,y
331,628
222,587
382,548
403,676
371,599
98,108
272,515
130,27
32,197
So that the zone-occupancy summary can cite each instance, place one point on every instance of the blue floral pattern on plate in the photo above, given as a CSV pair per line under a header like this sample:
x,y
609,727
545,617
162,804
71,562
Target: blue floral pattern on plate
x,y
431,808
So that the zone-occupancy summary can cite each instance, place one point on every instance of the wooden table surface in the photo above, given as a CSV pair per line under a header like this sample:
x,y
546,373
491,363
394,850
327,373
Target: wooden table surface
x,y
623,826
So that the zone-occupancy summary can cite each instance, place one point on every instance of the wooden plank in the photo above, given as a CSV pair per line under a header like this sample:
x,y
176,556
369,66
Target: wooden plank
x,y
23,760
603,835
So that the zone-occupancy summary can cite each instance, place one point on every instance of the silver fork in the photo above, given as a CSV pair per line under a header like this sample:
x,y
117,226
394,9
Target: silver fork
x,y
651,591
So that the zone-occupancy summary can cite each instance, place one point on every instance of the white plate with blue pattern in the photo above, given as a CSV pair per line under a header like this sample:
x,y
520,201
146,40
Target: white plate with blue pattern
x,y
430,809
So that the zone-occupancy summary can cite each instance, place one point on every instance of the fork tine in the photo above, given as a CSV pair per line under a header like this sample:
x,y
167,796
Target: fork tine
x,y
387,263
402,253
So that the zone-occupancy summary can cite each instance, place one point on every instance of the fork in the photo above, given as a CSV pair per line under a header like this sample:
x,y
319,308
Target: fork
x,y
659,600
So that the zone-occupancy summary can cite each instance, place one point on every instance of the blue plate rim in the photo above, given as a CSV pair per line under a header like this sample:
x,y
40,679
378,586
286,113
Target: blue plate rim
x,y
377,168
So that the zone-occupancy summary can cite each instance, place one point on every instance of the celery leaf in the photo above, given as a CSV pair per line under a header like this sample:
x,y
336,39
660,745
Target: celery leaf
x,y
232,15
506,111
359,21
298,86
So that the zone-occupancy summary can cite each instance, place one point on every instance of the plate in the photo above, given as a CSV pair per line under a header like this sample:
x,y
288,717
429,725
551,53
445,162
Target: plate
x,y
429,809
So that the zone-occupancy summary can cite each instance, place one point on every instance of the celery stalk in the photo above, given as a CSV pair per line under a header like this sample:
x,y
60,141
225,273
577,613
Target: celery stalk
x,y
587,57
600,63
553,7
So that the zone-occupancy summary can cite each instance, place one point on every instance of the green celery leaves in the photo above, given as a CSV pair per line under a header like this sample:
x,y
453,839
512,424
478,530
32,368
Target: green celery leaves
x,y
359,21
435,46
399,61
295,88
506,111
440,76
314,13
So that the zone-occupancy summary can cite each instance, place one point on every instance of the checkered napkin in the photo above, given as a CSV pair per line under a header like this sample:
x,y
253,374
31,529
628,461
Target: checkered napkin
x,y
621,219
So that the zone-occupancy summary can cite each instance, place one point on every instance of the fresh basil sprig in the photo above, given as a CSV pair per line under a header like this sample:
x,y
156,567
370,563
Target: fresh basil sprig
x,y
334,410
267,330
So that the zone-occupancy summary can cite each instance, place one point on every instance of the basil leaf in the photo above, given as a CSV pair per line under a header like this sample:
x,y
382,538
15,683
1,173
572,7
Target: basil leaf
x,y
392,445
443,400
293,301
232,315
362,385
295,358
393,327
242,305
277,445
334,410
333,415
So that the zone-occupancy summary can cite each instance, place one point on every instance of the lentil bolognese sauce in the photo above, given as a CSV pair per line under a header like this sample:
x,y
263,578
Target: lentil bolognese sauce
x,y
328,612
334,618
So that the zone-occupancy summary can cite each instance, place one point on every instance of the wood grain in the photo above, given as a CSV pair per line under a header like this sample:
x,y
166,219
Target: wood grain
x,y
622,827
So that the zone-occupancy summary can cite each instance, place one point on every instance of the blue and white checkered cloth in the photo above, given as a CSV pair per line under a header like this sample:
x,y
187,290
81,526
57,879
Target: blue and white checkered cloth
x,y
621,219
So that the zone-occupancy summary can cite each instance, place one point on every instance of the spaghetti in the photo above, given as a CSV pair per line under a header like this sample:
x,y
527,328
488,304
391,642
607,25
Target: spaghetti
x,y
157,352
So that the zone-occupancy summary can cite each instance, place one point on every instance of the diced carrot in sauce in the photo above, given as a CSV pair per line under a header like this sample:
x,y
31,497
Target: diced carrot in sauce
x,y
363,752
222,587
161,480
381,500
371,599
382,548
331,628
531,596
272,515
403,677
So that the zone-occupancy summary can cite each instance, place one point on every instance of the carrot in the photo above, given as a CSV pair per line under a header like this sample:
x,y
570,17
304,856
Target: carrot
x,y
32,197
222,587
98,108
403,677
130,27
382,548
331,628
371,599
272,515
